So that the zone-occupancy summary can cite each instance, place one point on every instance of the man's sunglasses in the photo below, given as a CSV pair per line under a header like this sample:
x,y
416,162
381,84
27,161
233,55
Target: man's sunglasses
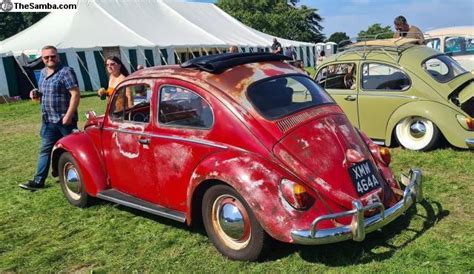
x,y
49,57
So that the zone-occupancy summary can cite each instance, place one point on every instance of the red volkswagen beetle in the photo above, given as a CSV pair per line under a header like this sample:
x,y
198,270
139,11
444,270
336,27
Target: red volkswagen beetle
x,y
245,143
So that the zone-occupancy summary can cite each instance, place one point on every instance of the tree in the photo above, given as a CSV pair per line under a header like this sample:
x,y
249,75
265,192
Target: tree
x,y
375,31
337,37
277,17
13,22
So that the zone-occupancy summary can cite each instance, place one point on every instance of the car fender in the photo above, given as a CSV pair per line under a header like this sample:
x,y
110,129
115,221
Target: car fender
x,y
257,180
84,151
440,114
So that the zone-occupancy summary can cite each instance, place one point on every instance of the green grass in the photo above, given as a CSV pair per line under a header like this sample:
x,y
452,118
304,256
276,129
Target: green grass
x,y
41,232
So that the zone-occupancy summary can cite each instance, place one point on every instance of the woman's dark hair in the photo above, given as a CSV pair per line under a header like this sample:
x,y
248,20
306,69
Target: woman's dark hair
x,y
322,53
117,60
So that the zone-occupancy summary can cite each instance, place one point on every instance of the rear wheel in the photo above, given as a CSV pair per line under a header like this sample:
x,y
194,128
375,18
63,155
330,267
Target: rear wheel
x,y
71,181
417,133
231,225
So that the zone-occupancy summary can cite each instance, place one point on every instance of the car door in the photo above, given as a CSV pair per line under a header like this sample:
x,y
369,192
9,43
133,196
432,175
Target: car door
x,y
127,142
383,89
182,137
340,81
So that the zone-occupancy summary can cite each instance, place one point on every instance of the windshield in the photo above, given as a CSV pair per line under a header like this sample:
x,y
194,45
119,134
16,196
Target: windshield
x,y
278,97
443,68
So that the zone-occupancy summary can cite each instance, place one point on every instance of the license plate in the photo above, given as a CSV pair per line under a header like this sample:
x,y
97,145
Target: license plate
x,y
364,177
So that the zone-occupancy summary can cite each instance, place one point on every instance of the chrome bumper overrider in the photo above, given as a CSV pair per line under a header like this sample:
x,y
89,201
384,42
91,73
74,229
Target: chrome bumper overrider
x,y
470,143
360,225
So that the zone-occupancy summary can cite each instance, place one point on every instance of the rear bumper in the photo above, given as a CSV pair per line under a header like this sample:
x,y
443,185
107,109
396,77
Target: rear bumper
x,y
470,143
361,225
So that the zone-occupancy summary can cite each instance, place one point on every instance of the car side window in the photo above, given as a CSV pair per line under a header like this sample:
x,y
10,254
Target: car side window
x,y
131,104
338,76
184,108
377,76
433,43
459,45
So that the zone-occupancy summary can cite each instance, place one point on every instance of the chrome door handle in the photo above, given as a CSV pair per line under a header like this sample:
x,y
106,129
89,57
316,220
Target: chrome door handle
x,y
144,141
350,98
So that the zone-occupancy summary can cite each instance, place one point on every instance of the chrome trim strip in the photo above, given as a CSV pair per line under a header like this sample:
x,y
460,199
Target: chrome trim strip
x,y
360,226
380,143
470,143
180,217
196,141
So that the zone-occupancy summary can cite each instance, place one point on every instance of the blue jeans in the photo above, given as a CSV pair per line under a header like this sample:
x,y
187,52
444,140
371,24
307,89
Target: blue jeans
x,y
50,134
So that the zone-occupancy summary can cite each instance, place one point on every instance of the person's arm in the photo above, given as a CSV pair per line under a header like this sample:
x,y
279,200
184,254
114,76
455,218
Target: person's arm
x,y
129,96
71,84
73,104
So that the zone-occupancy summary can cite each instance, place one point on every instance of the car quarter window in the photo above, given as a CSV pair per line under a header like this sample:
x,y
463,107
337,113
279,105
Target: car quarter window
x,y
131,104
338,76
184,108
443,68
376,76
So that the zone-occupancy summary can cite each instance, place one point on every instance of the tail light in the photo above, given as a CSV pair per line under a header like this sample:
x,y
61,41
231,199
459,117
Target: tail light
x,y
385,155
296,194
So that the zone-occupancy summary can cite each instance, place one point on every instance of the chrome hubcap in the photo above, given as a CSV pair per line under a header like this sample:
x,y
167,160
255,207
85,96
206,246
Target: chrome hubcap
x,y
231,221
418,129
72,181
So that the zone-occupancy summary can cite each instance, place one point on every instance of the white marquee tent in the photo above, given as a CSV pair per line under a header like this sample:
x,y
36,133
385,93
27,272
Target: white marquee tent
x,y
146,32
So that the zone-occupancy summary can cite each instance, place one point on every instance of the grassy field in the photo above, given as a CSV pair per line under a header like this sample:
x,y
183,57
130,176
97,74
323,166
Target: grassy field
x,y
41,232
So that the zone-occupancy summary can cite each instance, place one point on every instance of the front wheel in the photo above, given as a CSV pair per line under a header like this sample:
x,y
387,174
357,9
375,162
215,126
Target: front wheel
x,y
417,133
231,225
71,181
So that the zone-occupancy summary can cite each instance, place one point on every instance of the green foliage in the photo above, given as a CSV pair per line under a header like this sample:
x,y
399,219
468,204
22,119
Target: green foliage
x,y
40,232
277,17
338,37
375,31
13,22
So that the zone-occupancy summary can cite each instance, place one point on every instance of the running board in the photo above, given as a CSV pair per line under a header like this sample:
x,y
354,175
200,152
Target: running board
x,y
121,198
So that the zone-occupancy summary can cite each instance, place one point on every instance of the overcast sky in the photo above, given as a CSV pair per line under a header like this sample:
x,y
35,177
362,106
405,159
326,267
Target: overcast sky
x,y
352,16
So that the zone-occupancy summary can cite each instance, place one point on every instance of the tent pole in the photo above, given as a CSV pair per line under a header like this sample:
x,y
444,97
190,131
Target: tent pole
x,y
144,56
24,72
161,56
128,59
85,68
192,53
101,55
177,55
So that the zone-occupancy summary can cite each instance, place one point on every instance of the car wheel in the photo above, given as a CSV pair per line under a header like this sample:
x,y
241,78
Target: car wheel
x,y
417,133
231,225
71,181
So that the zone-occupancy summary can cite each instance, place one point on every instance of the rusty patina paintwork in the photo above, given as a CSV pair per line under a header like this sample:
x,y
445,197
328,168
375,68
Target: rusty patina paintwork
x,y
242,149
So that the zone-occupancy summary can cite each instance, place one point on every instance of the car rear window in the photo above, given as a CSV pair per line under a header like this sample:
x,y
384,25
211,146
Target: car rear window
x,y
277,97
443,68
